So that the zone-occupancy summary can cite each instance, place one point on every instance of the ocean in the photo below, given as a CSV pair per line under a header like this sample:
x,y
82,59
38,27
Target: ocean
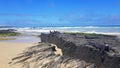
x,y
88,29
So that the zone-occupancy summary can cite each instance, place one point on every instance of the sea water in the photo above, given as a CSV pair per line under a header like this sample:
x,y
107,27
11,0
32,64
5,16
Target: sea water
x,y
29,32
89,29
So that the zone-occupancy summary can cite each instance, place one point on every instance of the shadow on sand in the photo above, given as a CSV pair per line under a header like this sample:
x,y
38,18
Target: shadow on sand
x,y
43,56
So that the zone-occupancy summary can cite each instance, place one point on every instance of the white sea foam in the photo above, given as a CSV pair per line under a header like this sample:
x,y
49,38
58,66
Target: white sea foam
x,y
89,29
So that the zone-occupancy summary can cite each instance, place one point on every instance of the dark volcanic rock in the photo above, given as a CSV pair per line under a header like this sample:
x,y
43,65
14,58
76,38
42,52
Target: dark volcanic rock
x,y
42,56
7,31
91,49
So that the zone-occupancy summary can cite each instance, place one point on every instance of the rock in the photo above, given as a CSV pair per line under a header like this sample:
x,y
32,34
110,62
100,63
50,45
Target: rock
x,y
42,56
88,48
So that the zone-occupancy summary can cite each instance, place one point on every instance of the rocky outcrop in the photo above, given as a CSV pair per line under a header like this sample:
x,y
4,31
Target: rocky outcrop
x,y
42,56
6,31
90,48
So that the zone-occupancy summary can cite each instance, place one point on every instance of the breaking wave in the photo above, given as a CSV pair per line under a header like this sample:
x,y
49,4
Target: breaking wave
x,y
89,29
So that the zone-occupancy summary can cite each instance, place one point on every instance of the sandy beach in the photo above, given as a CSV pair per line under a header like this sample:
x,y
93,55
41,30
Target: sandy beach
x,y
11,48
8,50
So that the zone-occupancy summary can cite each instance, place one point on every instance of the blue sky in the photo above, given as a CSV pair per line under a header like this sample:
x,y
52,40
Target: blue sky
x,y
59,12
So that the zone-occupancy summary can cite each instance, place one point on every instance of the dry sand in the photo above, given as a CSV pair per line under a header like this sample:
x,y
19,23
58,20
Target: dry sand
x,y
11,48
8,50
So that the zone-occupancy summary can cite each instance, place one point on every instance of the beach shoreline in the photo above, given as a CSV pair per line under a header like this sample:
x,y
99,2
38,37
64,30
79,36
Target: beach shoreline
x,y
10,48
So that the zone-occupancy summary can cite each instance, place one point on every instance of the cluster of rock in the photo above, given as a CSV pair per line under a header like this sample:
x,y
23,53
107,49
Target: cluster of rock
x,y
103,51
42,56
3,31
78,51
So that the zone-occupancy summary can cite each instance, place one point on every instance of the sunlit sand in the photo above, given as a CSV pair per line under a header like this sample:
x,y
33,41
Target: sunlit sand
x,y
11,48
8,50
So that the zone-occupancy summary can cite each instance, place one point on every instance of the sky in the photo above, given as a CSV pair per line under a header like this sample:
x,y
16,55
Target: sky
x,y
60,12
